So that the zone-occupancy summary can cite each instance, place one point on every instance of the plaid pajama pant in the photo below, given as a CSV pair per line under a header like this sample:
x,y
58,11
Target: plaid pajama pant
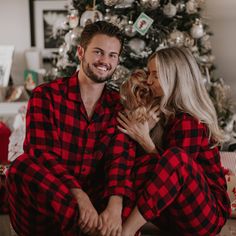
x,y
36,208
174,194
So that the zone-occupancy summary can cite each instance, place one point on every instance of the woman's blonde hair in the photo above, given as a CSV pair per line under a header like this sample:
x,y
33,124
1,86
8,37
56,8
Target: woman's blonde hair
x,y
183,90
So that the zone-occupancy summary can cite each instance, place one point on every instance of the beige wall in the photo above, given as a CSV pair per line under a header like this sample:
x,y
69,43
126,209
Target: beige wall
x,y
221,17
15,30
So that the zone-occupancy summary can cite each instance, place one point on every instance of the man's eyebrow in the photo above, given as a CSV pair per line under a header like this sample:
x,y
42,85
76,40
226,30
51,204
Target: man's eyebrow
x,y
100,49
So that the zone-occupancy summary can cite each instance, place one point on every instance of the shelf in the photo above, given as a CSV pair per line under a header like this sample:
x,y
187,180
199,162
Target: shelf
x,y
10,108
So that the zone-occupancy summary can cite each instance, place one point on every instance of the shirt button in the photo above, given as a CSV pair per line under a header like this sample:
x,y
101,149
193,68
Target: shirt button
x,y
86,151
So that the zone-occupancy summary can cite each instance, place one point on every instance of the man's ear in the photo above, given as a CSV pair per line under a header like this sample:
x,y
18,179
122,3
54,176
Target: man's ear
x,y
80,52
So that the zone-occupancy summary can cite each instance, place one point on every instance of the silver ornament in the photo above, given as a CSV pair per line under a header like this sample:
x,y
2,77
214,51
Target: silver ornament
x,y
75,35
73,18
107,16
170,10
176,38
197,30
181,6
90,16
150,4
137,45
111,3
205,42
129,29
124,4
191,7
62,49
188,40
68,37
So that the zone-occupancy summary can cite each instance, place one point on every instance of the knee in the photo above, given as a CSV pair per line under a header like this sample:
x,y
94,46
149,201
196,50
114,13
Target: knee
x,y
18,168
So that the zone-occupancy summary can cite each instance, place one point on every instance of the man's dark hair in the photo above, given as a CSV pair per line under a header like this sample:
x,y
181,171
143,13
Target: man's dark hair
x,y
99,27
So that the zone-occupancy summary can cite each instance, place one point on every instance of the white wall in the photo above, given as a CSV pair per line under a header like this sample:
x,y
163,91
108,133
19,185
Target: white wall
x,y
15,30
221,17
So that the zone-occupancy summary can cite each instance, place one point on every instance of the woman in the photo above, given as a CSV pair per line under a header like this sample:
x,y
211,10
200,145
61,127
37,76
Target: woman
x,y
179,180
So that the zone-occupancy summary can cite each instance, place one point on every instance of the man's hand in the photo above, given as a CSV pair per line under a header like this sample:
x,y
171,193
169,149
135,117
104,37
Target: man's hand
x,y
109,221
88,219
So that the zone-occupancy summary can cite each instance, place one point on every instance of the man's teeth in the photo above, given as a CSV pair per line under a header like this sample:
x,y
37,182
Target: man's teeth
x,y
103,68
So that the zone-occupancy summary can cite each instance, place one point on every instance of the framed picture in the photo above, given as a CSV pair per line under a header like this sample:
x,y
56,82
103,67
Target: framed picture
x,y
46,19
6,56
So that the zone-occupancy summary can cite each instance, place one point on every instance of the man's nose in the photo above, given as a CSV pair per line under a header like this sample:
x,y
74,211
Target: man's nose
x,y
104,59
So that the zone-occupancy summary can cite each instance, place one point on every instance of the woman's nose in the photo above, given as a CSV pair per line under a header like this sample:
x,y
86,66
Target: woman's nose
x,y
149,80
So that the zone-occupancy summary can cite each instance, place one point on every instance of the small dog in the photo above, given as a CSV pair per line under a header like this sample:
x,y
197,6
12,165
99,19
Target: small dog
x,y
137,97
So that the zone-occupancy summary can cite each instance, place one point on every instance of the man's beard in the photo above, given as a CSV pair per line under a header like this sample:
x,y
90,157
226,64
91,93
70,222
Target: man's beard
x,y
97,79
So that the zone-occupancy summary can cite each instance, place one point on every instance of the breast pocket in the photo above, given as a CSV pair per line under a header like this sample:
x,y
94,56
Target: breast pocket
x,y
103,142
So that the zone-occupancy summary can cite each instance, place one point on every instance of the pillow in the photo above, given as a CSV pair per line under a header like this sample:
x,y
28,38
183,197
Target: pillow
x,y
228,161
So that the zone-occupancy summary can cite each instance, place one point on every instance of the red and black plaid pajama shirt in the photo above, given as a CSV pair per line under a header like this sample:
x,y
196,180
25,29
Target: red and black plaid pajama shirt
x,y
183,190
63,149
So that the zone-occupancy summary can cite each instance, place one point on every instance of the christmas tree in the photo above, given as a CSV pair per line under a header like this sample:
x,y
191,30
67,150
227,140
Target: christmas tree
x,y
148,25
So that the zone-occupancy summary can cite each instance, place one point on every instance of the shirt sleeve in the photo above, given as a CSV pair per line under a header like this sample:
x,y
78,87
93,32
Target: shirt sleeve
x,y
120,160
42,141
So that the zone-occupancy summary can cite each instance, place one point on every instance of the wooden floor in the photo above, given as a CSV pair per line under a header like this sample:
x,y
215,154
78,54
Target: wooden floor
x,y
5,229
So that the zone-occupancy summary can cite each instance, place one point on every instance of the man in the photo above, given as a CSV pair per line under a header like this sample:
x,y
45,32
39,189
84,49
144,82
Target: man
x,y
74,173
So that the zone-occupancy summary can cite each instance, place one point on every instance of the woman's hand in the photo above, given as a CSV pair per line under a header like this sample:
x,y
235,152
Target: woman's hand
x,y
139,131
153,116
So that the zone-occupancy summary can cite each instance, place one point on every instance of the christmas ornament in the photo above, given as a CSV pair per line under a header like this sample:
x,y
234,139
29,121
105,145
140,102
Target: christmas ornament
x,y
124,4
197,30
73,18
90,16
107,16
205,42
191,7
176,38
137,45
129,29
188,40
111,3
143,23
68,37
180,6
75,35
65,24
150,4
170,10
121,73
62,49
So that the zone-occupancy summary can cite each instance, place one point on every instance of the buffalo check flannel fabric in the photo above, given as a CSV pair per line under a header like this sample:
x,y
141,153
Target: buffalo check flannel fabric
x,y
183,189
63,149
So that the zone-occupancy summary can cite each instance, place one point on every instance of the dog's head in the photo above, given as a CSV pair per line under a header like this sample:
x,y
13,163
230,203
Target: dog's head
x,y
135,92
136,95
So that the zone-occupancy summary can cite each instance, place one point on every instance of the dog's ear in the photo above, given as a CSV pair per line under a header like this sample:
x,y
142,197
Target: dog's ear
x,y
127,96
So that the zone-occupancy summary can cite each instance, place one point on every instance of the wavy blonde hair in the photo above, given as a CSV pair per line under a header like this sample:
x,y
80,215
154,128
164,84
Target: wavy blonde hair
x,y
183,90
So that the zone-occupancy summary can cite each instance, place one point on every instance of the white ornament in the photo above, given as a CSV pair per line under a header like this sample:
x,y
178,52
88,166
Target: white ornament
x,y
107,16
137,45
124,4
170,10
73,18
150,4
90,16
188,40
176,38
75,35
191,7
181,6
197,30
111,2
